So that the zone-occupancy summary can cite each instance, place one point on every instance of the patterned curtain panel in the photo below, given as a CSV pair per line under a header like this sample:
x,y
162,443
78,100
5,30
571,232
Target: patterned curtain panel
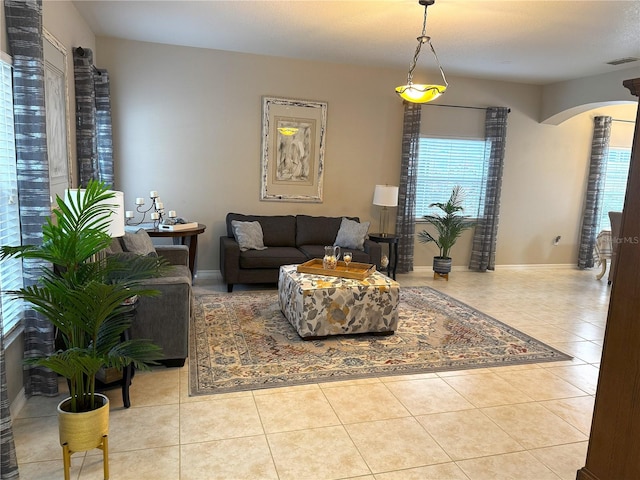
x,y
483,253
104,142
8,459
93,119
24,30
595,185
86,149
406,218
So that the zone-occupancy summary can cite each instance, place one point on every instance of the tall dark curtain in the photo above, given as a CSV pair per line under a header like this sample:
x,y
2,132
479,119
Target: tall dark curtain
x,y
8,459
406,217
24,32
24,29
483,253
93,119
594,194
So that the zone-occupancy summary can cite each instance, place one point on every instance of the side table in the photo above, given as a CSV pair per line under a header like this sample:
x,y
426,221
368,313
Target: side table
x,y
392,241
183,237
111,377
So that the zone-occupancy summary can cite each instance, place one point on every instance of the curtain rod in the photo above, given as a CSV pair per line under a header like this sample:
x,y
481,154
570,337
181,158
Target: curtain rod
x,y
623,121
457,106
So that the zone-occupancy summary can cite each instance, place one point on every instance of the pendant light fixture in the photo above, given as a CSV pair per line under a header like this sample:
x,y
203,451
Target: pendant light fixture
x,y
422,93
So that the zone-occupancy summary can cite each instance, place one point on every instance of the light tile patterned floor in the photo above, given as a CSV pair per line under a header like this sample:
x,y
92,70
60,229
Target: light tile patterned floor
x,y
521,422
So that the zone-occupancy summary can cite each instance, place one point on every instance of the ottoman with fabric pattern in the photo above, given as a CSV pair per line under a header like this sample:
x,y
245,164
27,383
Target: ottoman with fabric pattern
x,y
319,305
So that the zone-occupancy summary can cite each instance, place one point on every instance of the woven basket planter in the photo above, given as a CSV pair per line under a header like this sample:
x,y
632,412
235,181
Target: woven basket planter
x,y
441,265
83,431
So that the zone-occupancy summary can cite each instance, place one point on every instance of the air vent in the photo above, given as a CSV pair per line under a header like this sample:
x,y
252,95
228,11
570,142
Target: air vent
x,y
622,61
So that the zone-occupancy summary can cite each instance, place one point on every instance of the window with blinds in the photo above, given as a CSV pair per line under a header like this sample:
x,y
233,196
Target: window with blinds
x,y
10,269
615,184
446,162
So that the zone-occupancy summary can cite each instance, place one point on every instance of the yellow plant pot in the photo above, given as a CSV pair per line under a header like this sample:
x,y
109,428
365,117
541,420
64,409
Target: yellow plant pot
x,y
83,431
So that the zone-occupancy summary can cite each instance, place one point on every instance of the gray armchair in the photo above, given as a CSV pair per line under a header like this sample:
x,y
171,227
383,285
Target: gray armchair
x,y
164,319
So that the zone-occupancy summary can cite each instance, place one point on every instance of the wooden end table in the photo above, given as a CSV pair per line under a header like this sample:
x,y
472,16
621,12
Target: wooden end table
x,y
392,241
183,237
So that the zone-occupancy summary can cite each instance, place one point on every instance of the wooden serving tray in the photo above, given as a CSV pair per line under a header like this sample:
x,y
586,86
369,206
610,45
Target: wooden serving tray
x,y
356,271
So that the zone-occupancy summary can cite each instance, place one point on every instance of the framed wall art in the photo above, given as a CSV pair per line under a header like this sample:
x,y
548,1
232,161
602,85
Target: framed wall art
x,y
293,140
56,91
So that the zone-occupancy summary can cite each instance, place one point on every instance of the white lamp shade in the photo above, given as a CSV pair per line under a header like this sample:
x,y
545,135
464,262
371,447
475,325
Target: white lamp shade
x,y
385,196
116,220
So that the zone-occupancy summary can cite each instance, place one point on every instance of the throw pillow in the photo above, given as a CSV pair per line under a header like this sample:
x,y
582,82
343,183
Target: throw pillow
x,y
351,234
248,235
139,243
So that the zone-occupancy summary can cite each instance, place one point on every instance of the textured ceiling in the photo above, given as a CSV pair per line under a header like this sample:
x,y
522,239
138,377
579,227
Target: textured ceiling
x,y
535,42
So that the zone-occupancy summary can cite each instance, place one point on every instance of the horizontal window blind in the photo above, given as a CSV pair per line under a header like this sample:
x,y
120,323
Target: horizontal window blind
x,y
447,162
10,269
615,184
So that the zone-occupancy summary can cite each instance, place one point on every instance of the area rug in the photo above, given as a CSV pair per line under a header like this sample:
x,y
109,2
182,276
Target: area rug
x,y
242,341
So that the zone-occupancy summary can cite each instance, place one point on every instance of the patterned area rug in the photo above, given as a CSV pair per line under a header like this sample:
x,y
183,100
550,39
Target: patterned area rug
x,y
242,341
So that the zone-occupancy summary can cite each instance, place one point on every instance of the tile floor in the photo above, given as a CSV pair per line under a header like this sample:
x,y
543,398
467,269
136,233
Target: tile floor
x,y
521,422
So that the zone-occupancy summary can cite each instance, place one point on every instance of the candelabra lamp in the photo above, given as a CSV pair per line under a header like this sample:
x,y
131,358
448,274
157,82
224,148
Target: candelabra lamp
x,y
156,211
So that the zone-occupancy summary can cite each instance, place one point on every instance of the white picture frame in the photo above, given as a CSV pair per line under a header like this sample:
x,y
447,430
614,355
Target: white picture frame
x,y
293,143
57,115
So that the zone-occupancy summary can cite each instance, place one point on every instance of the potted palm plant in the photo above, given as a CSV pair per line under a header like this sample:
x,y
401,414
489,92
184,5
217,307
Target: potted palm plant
x,y
449,226
84,294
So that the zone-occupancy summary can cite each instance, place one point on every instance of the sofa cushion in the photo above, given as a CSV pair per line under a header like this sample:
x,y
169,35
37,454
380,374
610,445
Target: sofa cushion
x,y
352,234
115,247
316,230
139,242
277,230
248,235
273,257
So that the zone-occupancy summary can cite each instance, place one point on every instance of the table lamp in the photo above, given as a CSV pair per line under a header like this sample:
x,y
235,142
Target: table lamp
x,y
385,196
115,227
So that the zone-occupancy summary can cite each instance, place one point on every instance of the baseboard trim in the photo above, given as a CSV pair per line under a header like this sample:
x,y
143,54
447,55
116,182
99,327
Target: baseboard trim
x,y
216,275
18,403
209,275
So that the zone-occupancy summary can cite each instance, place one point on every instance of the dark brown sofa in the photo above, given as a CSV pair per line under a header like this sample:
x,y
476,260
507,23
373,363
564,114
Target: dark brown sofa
x,y
290,239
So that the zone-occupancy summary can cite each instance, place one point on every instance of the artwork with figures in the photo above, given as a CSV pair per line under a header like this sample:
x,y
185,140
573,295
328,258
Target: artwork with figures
x,y
293,139
295,150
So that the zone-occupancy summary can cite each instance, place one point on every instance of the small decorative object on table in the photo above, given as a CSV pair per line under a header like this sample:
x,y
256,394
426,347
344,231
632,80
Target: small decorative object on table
x,y
177,224
331,256
157,215
388,263
346,256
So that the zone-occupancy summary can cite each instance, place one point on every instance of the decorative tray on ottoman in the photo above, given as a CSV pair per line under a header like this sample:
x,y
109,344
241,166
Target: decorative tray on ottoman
x,y
356,271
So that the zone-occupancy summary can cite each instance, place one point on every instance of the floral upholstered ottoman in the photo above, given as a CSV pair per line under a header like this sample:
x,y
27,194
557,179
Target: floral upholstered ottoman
x,y
319,305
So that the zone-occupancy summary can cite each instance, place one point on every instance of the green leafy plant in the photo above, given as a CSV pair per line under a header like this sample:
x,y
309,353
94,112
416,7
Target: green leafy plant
x,y
83,293
450,225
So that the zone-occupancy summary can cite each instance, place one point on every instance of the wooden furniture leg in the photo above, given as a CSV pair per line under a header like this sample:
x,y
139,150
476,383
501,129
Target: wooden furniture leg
x,y
603,261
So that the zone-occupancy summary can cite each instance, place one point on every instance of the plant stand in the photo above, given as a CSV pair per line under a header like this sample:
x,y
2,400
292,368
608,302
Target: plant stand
x,y
441,275
66,458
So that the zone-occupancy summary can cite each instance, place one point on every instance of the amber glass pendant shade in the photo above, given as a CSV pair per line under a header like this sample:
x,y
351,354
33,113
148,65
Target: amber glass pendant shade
x,y
417,93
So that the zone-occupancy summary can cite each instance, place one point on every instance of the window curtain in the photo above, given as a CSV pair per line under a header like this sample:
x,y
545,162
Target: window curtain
x,y
8,458
406,216
93,120
483,253
24,31
595,185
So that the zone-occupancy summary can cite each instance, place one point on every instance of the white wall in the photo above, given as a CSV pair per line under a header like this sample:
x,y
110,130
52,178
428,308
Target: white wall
x,y
187,122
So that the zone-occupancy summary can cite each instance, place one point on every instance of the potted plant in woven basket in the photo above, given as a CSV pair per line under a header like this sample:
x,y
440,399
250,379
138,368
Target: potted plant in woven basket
x,y
84,294
449,226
